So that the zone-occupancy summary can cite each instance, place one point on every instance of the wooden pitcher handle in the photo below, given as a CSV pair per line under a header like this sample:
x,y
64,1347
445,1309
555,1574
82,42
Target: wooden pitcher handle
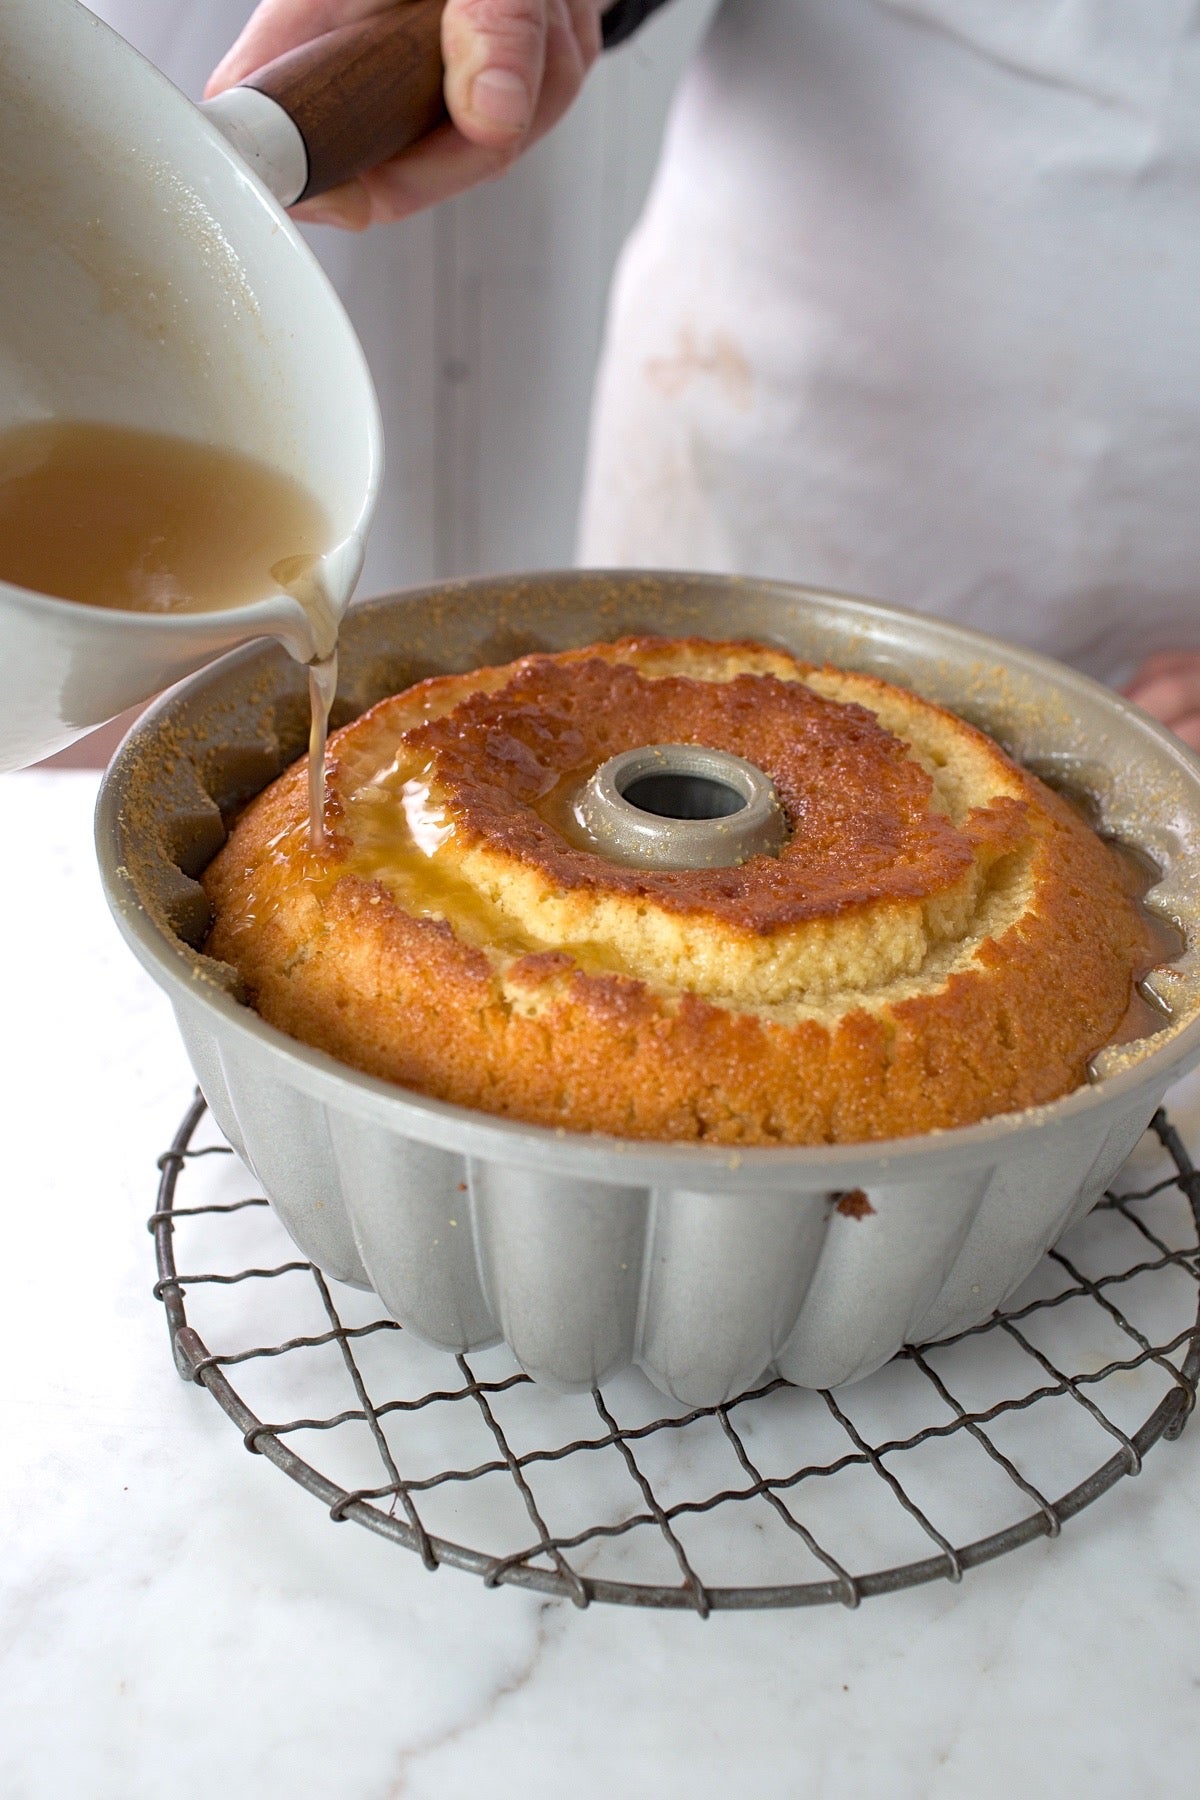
x,y
362,93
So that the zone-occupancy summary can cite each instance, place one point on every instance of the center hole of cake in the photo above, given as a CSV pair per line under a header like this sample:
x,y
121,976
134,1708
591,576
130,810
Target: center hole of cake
x,y
674,795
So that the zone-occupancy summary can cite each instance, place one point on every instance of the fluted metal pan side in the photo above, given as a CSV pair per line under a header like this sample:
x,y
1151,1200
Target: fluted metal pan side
x,y
704,1264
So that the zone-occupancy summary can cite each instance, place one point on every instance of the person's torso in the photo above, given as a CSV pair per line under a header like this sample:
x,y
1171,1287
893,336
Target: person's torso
x,y
915,310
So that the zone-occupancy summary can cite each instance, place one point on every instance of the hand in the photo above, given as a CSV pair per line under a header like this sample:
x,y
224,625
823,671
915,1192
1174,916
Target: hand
x,y
513,67
1167,686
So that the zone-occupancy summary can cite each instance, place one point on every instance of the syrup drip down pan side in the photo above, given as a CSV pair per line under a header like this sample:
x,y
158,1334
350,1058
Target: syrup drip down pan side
x,y
704,1264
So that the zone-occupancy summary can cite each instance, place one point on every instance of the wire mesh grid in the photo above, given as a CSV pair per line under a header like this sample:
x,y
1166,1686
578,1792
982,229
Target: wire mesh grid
x,y
945,1459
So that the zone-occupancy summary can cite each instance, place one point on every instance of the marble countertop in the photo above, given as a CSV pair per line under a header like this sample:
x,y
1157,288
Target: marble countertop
x,y
178,1618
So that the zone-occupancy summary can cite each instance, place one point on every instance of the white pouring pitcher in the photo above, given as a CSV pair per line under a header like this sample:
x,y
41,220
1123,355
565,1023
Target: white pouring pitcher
x,y
149,280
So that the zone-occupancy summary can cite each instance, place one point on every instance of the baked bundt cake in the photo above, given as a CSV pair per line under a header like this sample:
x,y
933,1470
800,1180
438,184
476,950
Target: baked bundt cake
x,y
938,939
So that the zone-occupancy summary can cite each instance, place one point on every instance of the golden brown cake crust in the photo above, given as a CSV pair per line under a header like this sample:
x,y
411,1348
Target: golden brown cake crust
x,y
941,939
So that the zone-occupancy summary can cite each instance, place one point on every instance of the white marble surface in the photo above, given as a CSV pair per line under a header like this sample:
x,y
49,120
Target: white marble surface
x,y
178,1618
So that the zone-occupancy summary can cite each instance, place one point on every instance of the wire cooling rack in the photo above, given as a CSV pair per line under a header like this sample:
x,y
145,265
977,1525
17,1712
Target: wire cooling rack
x,y
946,1458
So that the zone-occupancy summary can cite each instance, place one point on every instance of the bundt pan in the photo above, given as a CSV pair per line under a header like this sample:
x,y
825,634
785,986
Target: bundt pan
x,y
706,1265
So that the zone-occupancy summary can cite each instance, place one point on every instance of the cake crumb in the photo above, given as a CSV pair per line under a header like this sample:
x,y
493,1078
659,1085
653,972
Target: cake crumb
x,y
853,1204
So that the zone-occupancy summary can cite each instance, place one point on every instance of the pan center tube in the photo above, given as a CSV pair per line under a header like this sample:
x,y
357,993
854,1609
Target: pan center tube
x,y
680,806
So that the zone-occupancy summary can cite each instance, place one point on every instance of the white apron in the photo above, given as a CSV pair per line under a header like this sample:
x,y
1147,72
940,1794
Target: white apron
x,y
914,311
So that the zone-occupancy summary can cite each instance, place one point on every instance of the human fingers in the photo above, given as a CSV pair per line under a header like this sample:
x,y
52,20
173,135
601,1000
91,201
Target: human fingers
x,y
447,162
347,206
573,43
514,66
443,164
495,54
494,51
1169,690
279,25
1164,662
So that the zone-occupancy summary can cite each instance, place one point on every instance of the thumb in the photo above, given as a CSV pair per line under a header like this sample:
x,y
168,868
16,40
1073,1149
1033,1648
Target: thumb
x,y
495,55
